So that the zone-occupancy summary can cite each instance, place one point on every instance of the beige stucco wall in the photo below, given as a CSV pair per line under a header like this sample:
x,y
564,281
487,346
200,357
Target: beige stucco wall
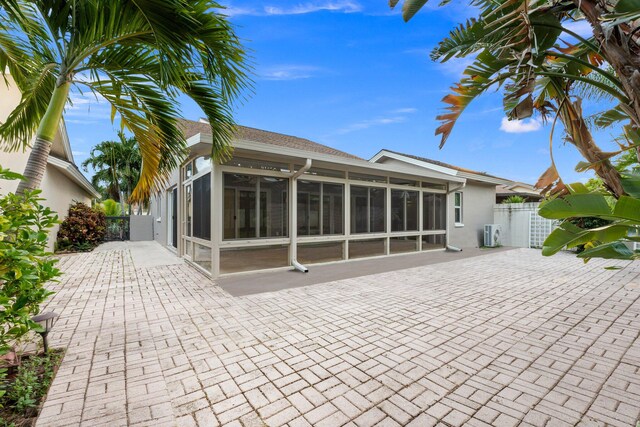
x,y
478,201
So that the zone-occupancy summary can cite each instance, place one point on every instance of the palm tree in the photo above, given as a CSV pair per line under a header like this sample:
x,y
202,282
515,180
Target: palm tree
x,y
116,166
139,55
517,45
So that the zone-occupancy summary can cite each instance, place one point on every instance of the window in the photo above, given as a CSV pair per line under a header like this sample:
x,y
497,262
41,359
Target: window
x,y
202,207
320,208
404,210
201,164
457,207
255,206
433,211
368,206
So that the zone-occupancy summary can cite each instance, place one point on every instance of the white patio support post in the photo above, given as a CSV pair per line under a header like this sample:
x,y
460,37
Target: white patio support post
x,y
293,228
293,220
217,213
387,208
347,216
420,219
180,214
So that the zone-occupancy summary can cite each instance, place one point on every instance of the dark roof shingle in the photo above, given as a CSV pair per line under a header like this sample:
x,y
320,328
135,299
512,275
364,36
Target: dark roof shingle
x,y
192,128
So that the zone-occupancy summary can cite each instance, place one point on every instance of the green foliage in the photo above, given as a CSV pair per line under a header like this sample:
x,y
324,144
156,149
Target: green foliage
x,y
25,266
31,383
513,199
116,166
83,229
141,57
111,207
594,221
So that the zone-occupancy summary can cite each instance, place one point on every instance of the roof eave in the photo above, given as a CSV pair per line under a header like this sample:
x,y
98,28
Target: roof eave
x,y
240,144
71,172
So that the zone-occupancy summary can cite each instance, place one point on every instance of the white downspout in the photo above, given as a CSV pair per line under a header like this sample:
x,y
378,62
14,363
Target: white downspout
x,y
294,217
451,190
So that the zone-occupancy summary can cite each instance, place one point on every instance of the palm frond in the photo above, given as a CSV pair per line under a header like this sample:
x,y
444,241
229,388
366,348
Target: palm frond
x,y
482,75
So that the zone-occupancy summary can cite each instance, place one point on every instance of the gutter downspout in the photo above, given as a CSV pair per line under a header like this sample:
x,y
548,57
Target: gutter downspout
x,y
294,216
451,190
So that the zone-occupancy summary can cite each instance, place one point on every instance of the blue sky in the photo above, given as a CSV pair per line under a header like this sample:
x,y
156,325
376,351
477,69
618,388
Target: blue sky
x,y
351,74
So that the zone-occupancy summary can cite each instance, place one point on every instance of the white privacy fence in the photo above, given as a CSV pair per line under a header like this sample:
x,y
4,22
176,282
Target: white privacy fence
x,y
521,225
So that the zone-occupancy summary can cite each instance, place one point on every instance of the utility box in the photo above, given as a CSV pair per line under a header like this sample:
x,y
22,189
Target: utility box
x,y
492,235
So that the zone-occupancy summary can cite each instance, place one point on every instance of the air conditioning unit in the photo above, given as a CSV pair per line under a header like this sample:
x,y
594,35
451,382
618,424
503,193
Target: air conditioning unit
x,y
492,235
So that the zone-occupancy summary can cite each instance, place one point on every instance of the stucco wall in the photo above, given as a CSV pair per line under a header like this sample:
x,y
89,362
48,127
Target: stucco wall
x,y
59,192
477,210
141,228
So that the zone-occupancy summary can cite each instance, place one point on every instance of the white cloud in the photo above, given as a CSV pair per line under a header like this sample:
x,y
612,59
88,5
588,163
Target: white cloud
x,y
398,115
519,126
288,72
407,110
340,6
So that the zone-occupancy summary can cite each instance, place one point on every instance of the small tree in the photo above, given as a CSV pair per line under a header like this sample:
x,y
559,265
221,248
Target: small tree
x,y
25,265
83,229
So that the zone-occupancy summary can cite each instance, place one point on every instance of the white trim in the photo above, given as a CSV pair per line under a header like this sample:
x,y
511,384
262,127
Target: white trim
x,y
364,165
72,172
437,168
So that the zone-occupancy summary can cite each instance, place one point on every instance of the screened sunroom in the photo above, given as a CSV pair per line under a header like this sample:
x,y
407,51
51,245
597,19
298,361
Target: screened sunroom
x,y
275,206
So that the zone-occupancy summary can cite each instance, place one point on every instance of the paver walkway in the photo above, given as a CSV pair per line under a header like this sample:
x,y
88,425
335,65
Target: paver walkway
x,y
505,339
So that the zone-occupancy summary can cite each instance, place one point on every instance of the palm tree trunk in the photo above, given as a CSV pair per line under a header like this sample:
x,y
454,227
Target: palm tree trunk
x,y
616,49
37,162
580,136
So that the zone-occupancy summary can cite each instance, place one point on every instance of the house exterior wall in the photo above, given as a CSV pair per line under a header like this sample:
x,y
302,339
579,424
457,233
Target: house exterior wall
x,y
60,192
478,200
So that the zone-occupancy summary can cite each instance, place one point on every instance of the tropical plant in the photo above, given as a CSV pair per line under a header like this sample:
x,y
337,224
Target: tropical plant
x,y
116,166
514,199
518,46
83,229
140,56
25,265
111,208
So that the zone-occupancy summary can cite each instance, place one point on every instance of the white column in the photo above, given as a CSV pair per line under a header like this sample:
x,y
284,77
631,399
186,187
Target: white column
x,y
180,215
217,216
347,215
420,218
387,209
293,220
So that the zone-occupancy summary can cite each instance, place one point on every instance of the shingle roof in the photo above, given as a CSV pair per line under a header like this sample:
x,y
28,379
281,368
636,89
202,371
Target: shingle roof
x,y
192,128
443,164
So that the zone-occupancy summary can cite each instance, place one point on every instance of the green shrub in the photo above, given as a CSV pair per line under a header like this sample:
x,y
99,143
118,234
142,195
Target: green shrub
x,y
83,229
25,266
514,199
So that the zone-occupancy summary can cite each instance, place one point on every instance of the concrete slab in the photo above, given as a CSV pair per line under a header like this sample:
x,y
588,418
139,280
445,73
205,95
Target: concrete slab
x,y
258,282
144,254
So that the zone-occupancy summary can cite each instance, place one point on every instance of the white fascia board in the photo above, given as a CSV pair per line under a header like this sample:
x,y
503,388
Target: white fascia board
x,y
411,160
71,172
483,178
66,145
328,158
442,169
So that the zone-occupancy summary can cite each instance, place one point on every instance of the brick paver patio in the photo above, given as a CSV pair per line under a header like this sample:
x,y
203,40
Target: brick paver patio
x,y
509,338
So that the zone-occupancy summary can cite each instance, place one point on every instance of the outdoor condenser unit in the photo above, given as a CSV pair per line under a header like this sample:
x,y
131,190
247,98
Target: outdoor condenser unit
x,y
492,235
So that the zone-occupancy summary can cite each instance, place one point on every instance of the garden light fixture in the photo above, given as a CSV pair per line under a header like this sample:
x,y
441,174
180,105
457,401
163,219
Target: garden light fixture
x,y
46,320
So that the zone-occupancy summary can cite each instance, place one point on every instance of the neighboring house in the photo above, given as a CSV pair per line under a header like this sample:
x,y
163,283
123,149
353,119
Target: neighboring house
x,y
527,191
62,183
282,200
